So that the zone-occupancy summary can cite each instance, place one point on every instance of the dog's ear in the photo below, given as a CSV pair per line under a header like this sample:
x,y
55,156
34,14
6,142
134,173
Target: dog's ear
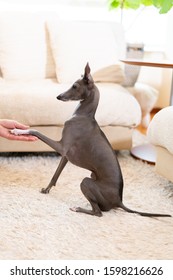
x,y
87,69
87,76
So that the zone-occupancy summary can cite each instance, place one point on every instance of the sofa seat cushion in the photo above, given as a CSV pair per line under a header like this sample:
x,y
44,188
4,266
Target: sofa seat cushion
x,y
35,103
160,130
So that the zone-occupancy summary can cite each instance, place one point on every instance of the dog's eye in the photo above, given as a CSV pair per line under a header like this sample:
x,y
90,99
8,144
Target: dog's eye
x,y
75,86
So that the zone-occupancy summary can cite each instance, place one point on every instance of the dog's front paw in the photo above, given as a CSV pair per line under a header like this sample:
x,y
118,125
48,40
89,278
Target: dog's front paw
x,y
44,190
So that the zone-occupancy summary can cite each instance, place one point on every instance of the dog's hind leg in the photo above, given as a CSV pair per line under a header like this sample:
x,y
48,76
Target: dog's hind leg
x,y
91,191
55,177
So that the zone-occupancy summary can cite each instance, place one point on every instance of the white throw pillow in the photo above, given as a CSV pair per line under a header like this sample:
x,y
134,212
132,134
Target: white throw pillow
x,y
22,45
110,74
76,43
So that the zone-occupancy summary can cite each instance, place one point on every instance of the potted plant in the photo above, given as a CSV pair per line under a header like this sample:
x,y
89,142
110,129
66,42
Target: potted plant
x,y
162,5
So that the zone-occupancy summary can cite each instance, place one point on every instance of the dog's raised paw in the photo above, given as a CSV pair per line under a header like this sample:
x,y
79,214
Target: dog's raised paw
x,y
17,131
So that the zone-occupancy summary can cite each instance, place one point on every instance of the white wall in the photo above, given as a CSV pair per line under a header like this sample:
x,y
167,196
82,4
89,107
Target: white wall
x,y
169,37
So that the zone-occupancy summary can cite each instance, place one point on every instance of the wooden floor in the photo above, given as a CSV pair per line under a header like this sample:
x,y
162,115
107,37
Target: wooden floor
x,y
142,129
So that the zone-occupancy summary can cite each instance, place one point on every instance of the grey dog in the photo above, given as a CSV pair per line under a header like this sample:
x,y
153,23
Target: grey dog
x,y
84,144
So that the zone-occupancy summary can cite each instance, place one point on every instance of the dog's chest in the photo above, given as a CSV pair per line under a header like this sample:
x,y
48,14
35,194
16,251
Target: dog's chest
x,y
79,129
77,138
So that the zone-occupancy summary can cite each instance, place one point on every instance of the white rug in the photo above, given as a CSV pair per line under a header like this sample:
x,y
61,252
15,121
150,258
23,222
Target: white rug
x,y
37,226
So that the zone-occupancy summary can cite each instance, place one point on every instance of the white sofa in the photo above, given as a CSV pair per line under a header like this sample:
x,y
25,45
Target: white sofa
x,y
41,56
160,134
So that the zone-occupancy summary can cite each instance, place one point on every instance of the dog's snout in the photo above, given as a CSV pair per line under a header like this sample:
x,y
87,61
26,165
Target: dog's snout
x,y
63,97
59,97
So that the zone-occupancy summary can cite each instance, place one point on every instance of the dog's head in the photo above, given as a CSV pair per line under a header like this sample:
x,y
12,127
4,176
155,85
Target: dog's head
x,y
81,89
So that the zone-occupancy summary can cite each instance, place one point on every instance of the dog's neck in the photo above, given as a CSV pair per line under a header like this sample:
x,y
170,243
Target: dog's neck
x,y
87,107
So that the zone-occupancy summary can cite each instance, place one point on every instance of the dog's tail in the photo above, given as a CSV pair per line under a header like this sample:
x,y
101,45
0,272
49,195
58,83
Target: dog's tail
x,y
122,206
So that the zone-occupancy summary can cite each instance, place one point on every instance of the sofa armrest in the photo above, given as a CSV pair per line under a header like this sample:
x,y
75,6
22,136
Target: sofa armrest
x,y
160,130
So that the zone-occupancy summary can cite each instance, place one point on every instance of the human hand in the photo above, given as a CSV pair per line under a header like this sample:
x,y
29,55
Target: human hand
x,y
5,127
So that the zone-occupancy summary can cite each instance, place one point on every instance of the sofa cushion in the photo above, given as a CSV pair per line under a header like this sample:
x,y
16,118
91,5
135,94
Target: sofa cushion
x,y
35,103
110,74
24,53
92,42
160,130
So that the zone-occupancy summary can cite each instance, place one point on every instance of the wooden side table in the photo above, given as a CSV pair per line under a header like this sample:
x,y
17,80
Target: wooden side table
x,y
146,152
